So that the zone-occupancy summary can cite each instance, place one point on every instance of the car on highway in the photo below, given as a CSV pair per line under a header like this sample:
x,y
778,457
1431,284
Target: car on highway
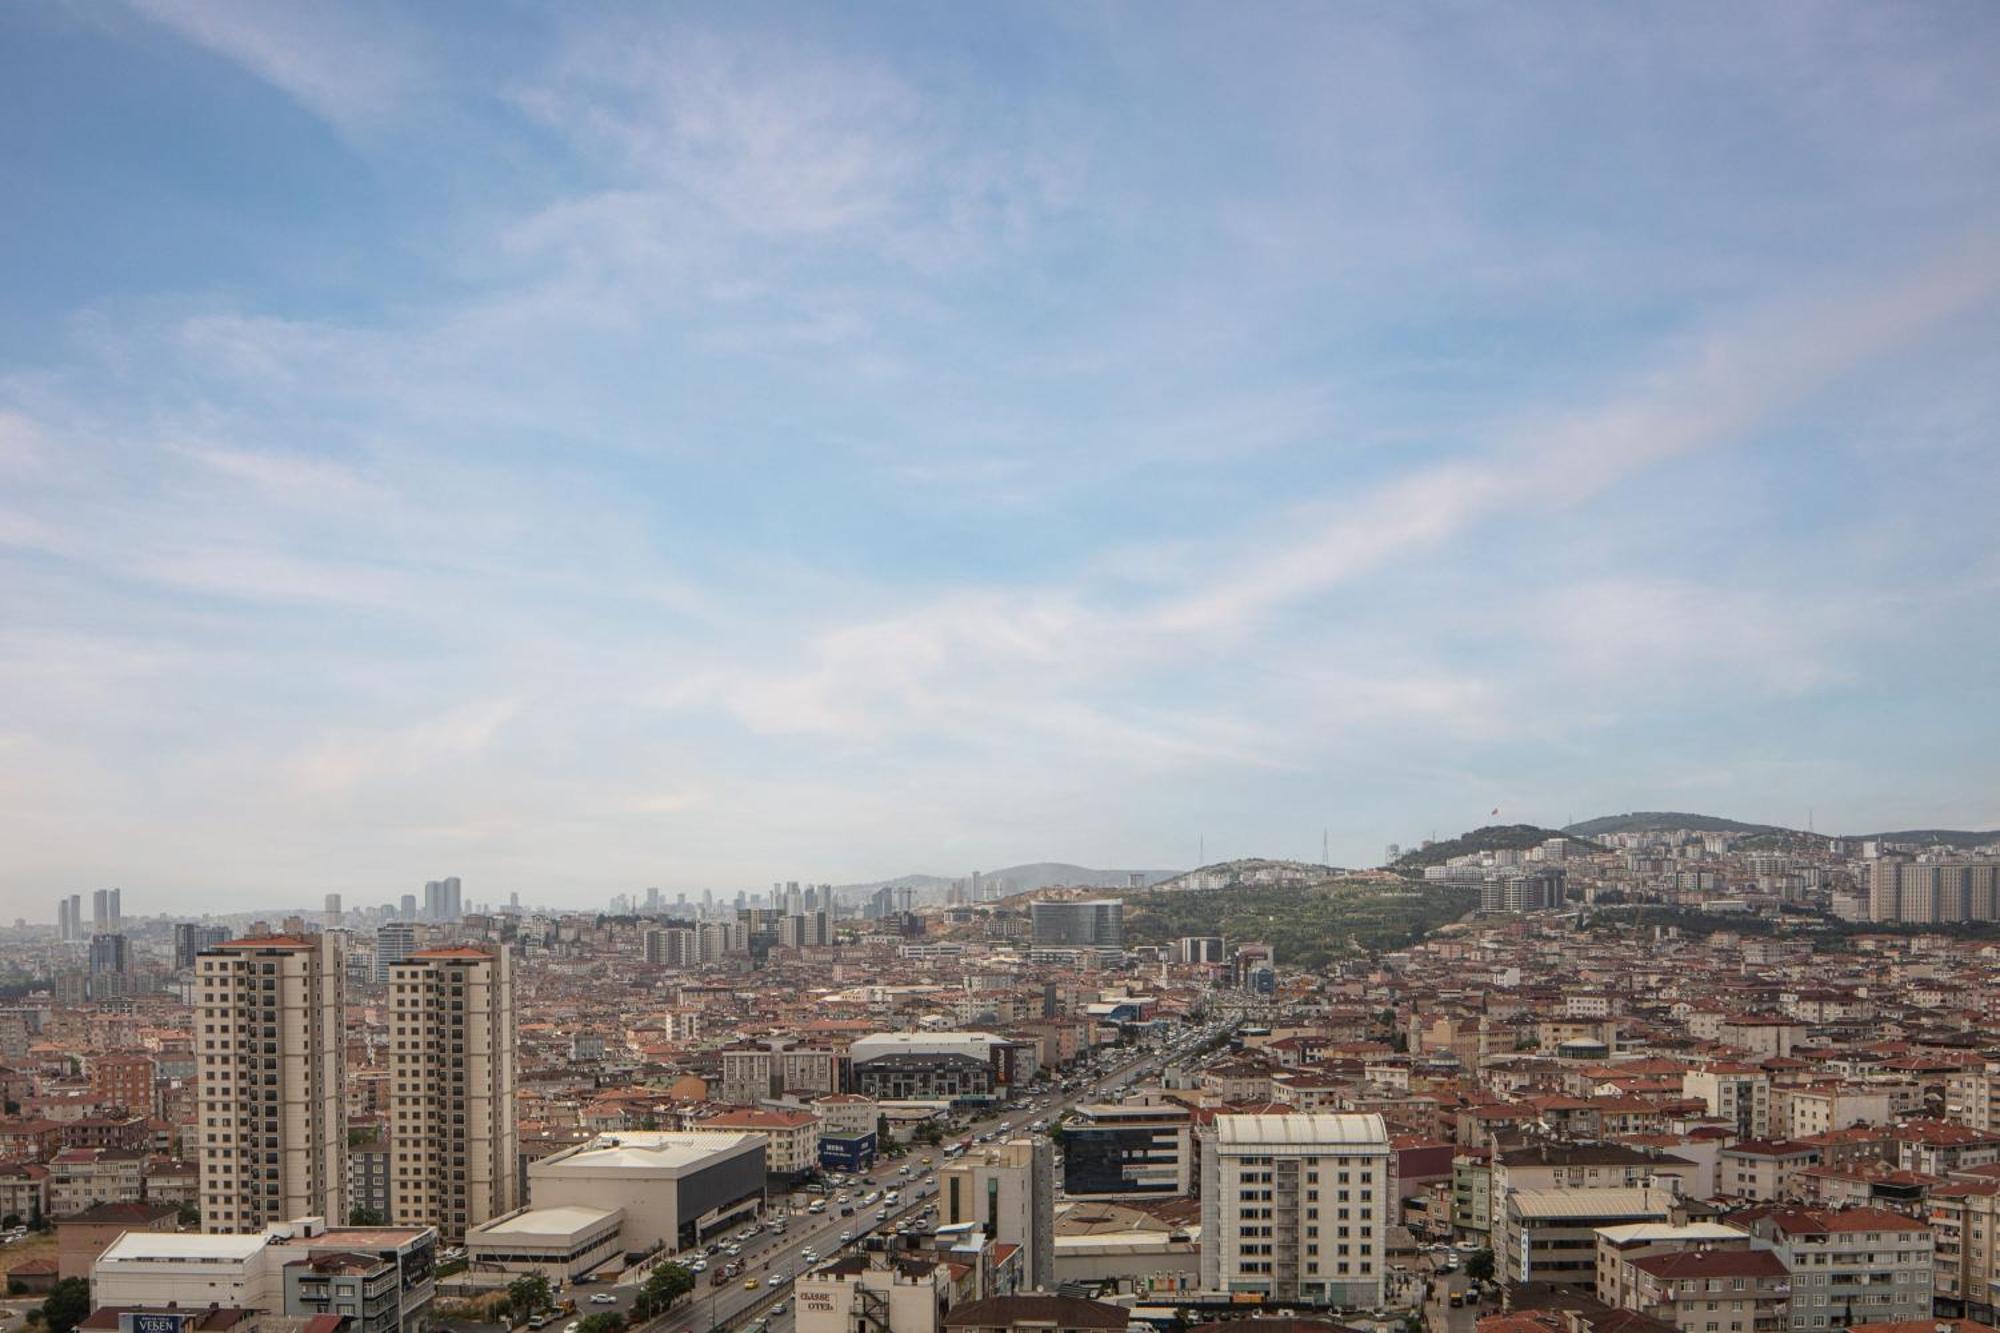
x,y
603,1298
846,1236
778,1308
749,1284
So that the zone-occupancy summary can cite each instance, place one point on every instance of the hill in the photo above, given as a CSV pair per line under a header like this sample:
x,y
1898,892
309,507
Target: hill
x,y
1249,870
1662,821
1308,926
1492,838
1008,880
1938,837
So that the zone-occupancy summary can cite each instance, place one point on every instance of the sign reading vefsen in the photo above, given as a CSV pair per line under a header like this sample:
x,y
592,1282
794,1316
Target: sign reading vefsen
x,y
152,1323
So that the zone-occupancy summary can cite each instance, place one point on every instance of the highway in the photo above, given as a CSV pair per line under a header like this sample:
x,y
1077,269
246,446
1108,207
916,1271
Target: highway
x,y
767,1254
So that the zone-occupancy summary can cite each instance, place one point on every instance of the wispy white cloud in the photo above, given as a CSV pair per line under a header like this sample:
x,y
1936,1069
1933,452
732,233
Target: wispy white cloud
x,y
1728,382
796,443
352,68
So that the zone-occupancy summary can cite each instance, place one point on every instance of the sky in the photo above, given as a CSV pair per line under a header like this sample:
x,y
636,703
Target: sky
x,y
582,448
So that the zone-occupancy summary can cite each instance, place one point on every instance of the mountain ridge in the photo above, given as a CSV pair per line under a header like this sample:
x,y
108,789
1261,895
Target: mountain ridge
x,y
1660,821
1023,878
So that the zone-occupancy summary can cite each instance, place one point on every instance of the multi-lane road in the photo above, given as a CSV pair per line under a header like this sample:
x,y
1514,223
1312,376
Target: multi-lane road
x,y
769,1255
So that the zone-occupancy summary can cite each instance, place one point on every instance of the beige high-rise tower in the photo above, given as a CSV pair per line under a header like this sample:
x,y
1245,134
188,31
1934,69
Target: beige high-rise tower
x,y
451,1079
272,1081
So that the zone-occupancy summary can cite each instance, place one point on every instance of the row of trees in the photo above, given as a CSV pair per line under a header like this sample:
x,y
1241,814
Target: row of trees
x,y
530,1294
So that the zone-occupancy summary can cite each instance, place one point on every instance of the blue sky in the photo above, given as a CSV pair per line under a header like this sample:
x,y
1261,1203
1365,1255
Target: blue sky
x,y
580,448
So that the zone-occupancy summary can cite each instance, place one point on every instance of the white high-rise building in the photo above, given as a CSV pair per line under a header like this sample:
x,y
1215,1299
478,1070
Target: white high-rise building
x,y
272,1081
451,1072
1296,1207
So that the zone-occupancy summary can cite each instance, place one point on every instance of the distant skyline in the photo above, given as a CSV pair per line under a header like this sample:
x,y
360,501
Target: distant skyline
x,y
589,447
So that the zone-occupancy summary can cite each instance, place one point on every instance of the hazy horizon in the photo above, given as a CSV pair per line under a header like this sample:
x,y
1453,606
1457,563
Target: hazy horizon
x,y
591,448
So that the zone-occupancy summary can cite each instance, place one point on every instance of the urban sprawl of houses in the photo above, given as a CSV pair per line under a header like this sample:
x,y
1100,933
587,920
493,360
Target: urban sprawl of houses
x,y
1656,1081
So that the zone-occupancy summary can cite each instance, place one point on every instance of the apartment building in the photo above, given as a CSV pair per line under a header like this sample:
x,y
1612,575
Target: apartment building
x,y
1923,892
1939,1147
759,1071
272,1133
1801,1112
1621,1247
454,1140
1295,1207
1849,1266
1714,1291
1965,1234
1556,1166
1738,1093
80,1178
791,1138
1764,1169
125,1080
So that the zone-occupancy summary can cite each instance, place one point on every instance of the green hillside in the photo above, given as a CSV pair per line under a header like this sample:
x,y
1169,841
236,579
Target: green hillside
x,y
1309,927
1492,838
1662,821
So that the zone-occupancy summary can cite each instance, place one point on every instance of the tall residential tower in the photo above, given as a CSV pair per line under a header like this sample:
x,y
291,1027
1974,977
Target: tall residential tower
x,y
451,1073
272,1081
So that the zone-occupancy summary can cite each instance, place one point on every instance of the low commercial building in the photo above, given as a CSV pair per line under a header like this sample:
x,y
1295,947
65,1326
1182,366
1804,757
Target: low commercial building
x,y
561,1243
1129,1150
1550,1235
848,1154
675,1189
154,1270
957,1067
1036,1314
906,1293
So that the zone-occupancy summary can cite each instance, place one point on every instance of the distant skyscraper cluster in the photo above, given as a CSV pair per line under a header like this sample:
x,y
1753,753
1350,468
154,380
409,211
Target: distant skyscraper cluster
x,y
107,914
441,900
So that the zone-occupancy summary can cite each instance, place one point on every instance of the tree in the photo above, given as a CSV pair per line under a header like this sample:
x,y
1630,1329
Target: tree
x,y
1480,1266
190,1217
670,1282
68,1304
363,1216
606,1321
666,1284
527,1294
